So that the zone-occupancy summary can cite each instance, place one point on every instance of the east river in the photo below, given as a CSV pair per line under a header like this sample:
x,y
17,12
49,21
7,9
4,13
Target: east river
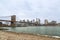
x,y
42,30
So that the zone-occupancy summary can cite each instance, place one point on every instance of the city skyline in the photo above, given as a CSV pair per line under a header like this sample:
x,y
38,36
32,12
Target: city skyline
x,y
37,20
31,9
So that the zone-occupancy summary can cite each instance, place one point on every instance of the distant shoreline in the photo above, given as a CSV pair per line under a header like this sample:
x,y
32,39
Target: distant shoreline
x,y
30,26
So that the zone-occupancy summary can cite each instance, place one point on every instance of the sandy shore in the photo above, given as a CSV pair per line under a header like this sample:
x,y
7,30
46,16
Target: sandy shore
x,y
21,36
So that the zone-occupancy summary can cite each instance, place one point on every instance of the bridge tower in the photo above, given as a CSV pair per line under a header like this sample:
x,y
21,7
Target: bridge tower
x,y
13,20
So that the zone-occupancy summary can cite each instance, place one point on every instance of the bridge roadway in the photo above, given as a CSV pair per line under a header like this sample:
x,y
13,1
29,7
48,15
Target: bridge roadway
x,y
16,21
8,20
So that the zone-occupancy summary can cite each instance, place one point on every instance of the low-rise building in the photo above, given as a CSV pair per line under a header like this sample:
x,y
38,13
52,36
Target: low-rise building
x,y
52,23
58,24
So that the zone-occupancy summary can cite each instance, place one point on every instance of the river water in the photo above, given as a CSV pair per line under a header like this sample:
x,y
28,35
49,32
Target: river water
x,y
42,30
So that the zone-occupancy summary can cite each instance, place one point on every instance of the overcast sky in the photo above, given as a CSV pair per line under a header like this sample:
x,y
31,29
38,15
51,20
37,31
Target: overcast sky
x,y
31,9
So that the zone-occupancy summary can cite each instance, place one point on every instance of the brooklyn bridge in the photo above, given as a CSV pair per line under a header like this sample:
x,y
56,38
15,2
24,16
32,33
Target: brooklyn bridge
x,y
12,20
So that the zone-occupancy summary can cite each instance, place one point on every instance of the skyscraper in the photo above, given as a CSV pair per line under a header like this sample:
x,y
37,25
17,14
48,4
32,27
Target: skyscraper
x,y
46,21
38,20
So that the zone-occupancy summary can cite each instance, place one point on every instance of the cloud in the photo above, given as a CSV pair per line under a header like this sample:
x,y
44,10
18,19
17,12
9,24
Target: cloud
x,y
49,9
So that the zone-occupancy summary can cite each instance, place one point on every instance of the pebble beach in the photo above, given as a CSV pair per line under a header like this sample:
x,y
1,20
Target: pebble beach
x,y
4,35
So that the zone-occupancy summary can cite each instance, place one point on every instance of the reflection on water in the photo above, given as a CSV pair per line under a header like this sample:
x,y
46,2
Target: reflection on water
x,y
53,31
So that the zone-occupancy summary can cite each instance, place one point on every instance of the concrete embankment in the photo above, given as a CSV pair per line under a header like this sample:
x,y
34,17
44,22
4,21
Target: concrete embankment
x,y
4,35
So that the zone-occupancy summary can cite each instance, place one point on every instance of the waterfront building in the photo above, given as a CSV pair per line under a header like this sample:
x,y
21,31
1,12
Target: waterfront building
x,y
46,22
33,21
37,20
28,20
21,24
20,21
53,22
58,24
24,20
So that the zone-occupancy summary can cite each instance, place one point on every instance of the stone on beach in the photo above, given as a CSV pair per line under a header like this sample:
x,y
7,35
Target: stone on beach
x,y
4,35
